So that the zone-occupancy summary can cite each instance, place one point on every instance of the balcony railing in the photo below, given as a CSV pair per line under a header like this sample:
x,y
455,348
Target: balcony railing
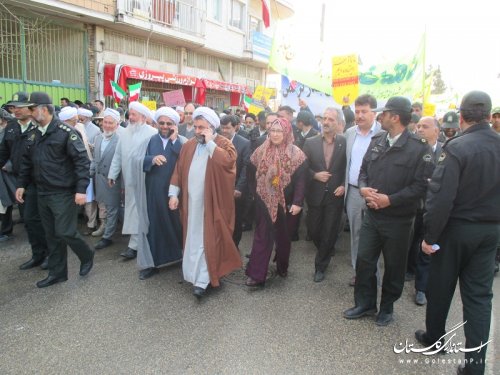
x,y
178,15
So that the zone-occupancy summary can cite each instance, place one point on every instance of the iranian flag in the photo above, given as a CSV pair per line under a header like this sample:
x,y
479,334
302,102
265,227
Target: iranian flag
x,y
247,101
266,12
134,91
118,92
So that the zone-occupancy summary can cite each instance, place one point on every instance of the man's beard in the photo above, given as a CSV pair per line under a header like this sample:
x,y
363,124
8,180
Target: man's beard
x,y
200,139
134,126
108,134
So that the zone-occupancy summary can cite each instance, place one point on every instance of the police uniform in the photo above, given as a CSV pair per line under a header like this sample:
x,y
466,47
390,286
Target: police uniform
x,y
12,148
462,217
57,163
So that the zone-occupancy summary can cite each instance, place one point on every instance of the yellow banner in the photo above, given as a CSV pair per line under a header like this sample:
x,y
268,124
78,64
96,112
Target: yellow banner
x,y
151,104
260,98
345,79
429,109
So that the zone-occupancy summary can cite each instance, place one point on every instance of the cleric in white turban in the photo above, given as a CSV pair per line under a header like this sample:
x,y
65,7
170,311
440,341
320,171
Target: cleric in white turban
x,y
67,113
141,108
111,113
168,112
208,114
85,112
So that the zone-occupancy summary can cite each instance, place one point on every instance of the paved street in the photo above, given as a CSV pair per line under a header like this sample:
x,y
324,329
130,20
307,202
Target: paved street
x,y
110,322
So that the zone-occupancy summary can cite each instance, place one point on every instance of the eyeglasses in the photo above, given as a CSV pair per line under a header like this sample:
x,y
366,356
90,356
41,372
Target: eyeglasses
x,y
188,113
168,123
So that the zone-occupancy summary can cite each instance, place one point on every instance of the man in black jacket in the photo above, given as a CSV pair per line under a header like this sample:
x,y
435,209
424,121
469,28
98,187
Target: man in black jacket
x,y
325,191
228,126
12,148
392,180
461,231
57,162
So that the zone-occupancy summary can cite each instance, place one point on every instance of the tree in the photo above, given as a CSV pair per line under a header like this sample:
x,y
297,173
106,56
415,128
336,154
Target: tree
x,y
438,85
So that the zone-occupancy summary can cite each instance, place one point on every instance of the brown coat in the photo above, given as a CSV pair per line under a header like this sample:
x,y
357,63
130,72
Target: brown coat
x,y
220,251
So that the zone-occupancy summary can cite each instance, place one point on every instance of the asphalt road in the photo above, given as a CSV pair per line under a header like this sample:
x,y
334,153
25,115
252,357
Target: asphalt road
x,y
110,322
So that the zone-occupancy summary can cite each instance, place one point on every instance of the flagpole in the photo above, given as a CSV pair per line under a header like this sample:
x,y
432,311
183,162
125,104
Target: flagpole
x,y
423,64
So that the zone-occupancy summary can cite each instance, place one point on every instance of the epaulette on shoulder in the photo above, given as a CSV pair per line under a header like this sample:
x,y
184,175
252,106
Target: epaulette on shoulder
x,y
65,127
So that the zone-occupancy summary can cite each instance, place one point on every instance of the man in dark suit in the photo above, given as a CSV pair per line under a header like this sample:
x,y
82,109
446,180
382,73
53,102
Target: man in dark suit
x,y
325,192
304,129
228,125
428,129
186,129
105,146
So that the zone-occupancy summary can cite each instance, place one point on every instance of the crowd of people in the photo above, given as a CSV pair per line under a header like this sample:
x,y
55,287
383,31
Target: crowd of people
x,y
420,195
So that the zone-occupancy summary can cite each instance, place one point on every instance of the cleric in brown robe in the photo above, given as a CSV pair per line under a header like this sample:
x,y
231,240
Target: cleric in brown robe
x,y
202,186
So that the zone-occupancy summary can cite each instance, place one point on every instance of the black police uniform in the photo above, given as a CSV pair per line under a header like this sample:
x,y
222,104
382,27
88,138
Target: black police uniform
x,y
463,216
58,164
401,172
13,147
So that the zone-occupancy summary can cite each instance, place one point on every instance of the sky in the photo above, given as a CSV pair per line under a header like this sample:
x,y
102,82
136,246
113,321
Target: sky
x,y
463,40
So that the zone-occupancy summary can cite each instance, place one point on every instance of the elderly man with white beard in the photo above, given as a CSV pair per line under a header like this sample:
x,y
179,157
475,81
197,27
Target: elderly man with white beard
x,y
128,159
106,195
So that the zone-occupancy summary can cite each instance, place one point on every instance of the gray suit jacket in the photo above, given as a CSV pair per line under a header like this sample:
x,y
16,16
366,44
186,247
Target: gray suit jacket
x,y
350,136
99,169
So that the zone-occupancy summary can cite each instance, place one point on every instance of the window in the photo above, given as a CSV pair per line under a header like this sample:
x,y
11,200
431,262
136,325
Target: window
x,y
237,14
214,10
253,25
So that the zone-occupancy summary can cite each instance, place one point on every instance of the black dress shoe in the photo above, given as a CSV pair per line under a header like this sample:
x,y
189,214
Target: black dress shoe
x,y
147,273
425,341
51,280
45,264
87,266
254,284
103,243
198,292
383,319
129,253
319,276
33,262
357,312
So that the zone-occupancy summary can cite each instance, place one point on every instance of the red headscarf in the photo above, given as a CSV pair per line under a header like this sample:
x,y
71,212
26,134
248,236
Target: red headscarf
x,y
275,167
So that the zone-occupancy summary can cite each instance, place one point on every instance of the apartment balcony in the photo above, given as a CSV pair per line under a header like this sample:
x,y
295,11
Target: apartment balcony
x,y
172,18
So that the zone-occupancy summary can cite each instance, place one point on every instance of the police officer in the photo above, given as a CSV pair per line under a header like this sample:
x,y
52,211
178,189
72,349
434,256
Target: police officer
x,y
463,220
12,148
57,162
450,127
392,180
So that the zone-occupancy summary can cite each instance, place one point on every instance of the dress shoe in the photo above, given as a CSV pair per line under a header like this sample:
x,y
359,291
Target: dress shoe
x,y
129,253
51,280
45,264
420,298
33,262
87,266
103,243
409,276
147,273
246,227
198,292
357,312
383,319
352,282
319,276
5,237
425,341
252,283
89,231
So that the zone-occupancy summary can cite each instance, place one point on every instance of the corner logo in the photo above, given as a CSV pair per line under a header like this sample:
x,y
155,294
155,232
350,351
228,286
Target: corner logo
x,y
443,344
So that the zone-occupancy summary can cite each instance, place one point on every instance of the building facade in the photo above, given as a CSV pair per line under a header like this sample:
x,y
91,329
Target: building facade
x,y
213,50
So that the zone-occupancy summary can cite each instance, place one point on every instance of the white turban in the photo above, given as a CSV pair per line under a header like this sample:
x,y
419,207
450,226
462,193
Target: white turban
x,y
112,113
209,115
169,112
179,108
67,113
141,108
85,112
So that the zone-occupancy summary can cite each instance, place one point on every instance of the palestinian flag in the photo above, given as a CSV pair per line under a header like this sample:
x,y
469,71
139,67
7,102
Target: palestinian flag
x,y
134,92
118,92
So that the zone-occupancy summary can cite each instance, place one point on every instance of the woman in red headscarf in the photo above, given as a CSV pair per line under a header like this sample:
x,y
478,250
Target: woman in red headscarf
x,y
278,169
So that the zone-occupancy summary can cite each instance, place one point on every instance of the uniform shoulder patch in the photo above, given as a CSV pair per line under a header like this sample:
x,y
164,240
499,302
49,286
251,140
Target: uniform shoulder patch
x,y
442,157
73,137
427,157
423,140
